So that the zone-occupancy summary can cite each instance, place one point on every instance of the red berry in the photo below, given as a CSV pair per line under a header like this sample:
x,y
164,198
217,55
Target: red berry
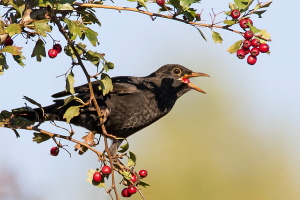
x,y
255,42
143,173
8,42
57,47
131,189
160,2
54,151
133,178
235,14
247,50
52,53
254,51
97,177
246,44
244,23
125,193
241,54
106,170
248,35
251,60
264,48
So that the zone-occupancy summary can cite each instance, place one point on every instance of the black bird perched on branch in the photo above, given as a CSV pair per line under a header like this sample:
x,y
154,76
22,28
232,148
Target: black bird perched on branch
x,y
134,103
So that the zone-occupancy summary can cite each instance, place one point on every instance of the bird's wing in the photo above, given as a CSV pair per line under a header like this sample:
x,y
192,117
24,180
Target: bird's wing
x,y
121,85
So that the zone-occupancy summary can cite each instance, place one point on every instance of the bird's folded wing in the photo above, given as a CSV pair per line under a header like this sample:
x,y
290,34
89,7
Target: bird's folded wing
x,y
119,88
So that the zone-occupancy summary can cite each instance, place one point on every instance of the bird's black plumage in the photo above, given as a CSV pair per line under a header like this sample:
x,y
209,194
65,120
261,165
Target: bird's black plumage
x,y
134,103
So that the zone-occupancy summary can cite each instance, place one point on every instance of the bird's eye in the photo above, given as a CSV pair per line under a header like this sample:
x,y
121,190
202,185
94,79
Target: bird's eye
x,y
176,71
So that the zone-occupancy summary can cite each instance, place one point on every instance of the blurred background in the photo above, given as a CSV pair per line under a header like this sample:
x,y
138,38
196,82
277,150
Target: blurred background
x,y
239,141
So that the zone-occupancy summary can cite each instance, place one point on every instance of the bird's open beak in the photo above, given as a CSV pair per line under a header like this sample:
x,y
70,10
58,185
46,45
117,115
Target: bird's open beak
x,y
185,79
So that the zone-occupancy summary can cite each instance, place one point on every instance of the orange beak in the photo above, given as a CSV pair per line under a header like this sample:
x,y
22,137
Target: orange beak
x,y
185,79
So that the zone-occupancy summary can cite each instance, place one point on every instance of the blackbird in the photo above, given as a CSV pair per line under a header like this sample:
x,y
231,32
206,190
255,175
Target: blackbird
x,y
134,103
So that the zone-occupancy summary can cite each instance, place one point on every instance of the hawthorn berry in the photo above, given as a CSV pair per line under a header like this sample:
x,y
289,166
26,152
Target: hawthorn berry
x,y
143,173
244,23
54,151
264,48
246,44
160,2
241,54
248,35
247,50
133,178
52,53
131,189
251,60
125,193
235,14
255,42
8,42
106,170
254,51
97,177
57,47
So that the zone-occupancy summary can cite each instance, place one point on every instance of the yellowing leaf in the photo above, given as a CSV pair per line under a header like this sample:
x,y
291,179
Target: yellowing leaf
x,y
233,48
71,112
70,83
13,29
217,37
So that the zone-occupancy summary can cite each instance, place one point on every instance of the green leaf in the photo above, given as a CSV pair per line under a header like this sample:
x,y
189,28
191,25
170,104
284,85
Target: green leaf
x,y
39,137
41,27
253,28
19,58
70,83
69,99
71,112
229,22
243,5
64,5
92,36
126,175
232,6
131,160
124,147
108,65
14,50
94,57
236,46
89,179
39,50
32,101
264,34
88,17
217,37
105,84
21,122
259,13
13,29
141,183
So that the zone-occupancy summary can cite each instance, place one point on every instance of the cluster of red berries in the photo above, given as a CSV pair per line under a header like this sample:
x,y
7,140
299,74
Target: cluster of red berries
x,y
131,189
8,42
56,49
105,171
249,46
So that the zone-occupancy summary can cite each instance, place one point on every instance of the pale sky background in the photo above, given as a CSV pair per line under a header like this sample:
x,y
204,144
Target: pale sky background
x,y
258,103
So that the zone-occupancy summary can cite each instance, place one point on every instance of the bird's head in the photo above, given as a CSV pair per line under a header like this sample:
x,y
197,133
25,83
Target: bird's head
x,y
179,77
